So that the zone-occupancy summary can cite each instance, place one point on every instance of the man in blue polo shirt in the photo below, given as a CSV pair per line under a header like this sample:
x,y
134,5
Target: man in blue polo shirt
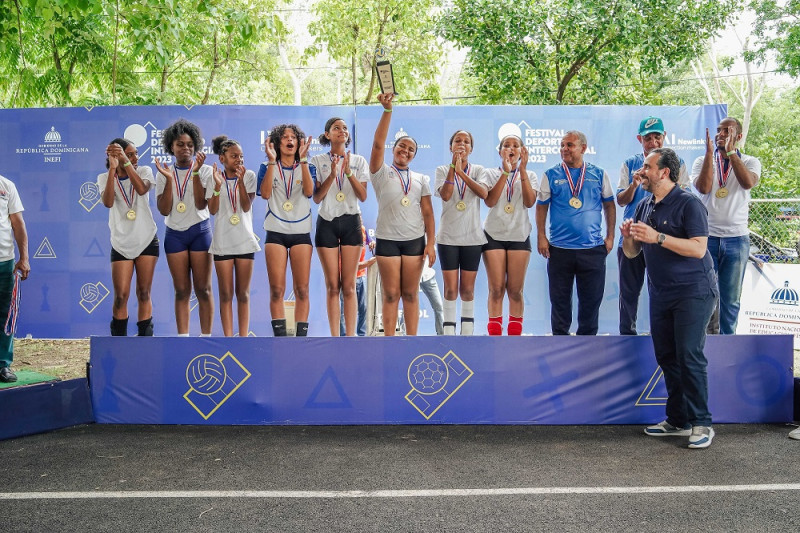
x,y
671,229
629,194
577,194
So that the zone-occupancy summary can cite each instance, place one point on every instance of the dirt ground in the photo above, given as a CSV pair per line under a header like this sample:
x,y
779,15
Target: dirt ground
x,y
67,358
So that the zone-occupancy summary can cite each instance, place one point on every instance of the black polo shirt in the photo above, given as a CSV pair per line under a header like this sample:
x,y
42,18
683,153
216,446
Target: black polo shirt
x,y
669,275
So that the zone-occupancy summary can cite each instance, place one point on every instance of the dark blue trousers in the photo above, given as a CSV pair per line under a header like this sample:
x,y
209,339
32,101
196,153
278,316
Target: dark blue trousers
x,y
678,330
586,268
631,280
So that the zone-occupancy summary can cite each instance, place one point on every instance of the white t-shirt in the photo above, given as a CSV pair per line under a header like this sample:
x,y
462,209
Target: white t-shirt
x,y
298,220
330,207
130,237
229,238
727,217
460,228
183,221
397,222
502,226
9,205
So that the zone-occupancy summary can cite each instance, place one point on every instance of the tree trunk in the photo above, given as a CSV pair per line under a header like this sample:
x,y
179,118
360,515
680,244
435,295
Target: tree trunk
x,y
163,87
296,88
114,59
211,76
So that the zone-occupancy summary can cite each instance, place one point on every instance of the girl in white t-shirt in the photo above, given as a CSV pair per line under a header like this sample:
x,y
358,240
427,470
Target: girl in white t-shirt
x,y
287,187
340,184
181,198
405,218
134,243
230,197
512,191
460,239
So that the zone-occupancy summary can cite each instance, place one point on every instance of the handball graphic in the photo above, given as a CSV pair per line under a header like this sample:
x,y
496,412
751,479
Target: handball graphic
x,y
428,374
206,374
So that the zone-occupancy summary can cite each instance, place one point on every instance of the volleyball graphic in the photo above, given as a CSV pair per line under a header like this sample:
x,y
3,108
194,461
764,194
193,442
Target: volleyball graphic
x,y
206,374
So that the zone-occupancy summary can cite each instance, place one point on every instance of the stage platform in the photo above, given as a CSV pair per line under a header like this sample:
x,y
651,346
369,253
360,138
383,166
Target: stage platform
x,y
29,409
424,380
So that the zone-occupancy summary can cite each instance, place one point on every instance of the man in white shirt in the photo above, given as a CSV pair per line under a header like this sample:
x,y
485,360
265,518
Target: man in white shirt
x,y
12,228
724,177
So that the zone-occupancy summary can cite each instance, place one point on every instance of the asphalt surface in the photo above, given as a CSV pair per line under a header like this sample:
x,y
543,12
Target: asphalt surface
x,y
106,459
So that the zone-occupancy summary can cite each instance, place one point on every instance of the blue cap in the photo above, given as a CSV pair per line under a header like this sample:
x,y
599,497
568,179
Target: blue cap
x,y
651,125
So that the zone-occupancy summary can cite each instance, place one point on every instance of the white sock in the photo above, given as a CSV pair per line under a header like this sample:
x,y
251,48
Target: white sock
x,y
467,312
449,317
183,334
205,334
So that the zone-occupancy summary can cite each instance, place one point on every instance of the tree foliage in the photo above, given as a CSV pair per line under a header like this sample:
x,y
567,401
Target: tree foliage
x,y
352,30
587,51
778,26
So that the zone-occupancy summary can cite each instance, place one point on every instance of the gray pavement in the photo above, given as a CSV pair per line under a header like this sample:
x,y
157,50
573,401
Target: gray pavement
x,y
101,458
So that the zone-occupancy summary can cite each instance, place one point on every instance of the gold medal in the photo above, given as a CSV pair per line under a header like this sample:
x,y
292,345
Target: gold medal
x,y
235,219
574,202
181,207
405,202
508,208
461,206
131,214
287,206
340,196
722,192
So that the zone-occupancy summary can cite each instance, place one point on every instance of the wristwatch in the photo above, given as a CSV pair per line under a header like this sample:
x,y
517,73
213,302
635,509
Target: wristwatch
x,y
661,238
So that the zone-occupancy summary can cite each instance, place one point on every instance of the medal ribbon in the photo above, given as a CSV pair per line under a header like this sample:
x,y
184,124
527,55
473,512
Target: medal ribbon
x,y
406,184
461,185
232,196
722,176
182,190
510,183
128,197
573,188
339,176
290,185
13,311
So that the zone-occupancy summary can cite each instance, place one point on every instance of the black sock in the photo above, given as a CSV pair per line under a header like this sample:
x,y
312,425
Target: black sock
x,y
301,329
119,327
279,327
145,327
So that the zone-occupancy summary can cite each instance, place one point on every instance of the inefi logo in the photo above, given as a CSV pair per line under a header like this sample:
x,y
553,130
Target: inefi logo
x,y
52,147
434,380
212,381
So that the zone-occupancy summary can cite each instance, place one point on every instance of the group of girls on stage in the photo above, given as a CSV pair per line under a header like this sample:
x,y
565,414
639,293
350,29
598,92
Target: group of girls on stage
x,y
189,192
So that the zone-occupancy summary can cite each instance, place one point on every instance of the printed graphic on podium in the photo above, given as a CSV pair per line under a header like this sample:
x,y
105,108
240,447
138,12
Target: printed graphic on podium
x,y
434,380
212,381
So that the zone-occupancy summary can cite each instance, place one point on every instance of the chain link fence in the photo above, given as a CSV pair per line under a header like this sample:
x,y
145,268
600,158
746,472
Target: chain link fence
x,y
775,230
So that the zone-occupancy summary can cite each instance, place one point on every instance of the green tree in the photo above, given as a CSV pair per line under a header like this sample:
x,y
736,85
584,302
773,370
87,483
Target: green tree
x,y
778,26
352,30
567,51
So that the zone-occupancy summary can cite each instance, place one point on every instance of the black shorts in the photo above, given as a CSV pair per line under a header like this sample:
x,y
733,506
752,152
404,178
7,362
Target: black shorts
x,y
459,257
287,240
387,248
341,231
152,250
506,245
251,256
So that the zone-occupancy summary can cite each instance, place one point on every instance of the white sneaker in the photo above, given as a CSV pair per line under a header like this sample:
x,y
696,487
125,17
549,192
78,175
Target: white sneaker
x,y
665,429
701,437
795,434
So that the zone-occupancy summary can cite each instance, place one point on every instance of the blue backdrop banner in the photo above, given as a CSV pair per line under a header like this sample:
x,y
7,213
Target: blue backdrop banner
x,y
55,155
418,380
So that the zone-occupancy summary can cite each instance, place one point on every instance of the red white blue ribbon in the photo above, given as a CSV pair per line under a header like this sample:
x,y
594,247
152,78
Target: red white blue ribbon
x,y
13,310
406,184
510,183
128,197
290,184
182,189
232,196
574,188
461,185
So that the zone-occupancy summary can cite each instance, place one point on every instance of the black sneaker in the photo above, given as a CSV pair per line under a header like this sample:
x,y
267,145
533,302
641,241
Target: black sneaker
x,y
7,376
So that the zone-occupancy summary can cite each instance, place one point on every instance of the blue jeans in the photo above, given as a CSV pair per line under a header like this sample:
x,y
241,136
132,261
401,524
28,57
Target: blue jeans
x,y
730,260
361,302
431,290
678,330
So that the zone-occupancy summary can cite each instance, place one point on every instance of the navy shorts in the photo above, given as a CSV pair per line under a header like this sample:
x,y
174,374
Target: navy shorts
x,y
506,245
152,249
344,230
195,239
287,240
460,257
250,256
387,248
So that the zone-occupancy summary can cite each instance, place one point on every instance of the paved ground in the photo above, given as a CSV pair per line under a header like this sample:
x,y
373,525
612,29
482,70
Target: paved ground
x,y
398,478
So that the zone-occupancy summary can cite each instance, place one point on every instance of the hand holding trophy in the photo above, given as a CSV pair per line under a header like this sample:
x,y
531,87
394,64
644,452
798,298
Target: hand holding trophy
x,y
384,70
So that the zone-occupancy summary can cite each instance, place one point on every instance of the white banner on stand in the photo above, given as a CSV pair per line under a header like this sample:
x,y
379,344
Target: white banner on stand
x,y
770,301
